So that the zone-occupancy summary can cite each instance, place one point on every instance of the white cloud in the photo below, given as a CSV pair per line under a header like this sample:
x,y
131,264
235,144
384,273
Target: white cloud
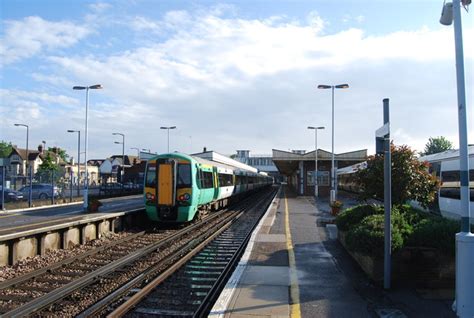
x,y
235,83
31,35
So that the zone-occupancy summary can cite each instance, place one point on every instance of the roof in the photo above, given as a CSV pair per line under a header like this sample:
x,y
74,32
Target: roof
x,y
217,157
448,154
32,154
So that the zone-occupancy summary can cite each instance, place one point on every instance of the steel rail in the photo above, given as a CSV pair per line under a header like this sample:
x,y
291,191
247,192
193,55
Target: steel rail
x,y
214,292
23,278
140,295
45,300
136,298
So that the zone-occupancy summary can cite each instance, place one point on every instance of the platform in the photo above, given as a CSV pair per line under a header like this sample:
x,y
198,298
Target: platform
x,y
293,269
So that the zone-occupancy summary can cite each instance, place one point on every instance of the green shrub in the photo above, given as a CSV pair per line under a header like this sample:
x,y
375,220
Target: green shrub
x,y
435,232
368,236
353,216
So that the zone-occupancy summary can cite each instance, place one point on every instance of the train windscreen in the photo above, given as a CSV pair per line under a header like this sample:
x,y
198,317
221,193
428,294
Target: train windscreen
x,y
150,180
184,176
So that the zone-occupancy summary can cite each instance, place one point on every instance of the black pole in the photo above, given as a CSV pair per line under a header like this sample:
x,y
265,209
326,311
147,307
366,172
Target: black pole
x,y
3,187
30,193
387,198
70,184
52,186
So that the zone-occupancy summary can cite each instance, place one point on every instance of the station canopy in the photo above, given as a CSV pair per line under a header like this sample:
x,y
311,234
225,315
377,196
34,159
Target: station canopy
x,y
288,162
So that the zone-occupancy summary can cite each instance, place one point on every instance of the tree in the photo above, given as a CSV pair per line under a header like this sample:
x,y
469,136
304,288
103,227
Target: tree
x,y
47,168
61,153
410,178
438,144
5,149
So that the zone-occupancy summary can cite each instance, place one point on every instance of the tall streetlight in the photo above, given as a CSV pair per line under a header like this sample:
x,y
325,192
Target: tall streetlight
x,y
465,239
123,153
333,171
138,151
316,192
168,128
78,157
86,179
27,151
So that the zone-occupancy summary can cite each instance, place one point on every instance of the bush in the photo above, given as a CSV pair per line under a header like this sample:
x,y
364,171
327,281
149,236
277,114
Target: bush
x,y
349,218
435,232
368,236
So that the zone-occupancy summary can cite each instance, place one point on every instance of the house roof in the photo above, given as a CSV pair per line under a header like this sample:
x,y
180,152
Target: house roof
x,y
32,154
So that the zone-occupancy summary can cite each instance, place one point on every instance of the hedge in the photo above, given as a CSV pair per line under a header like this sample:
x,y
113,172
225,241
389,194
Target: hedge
x,y
364,225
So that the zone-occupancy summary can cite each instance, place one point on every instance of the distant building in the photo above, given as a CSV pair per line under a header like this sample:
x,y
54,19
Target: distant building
x,y
298,167
263,163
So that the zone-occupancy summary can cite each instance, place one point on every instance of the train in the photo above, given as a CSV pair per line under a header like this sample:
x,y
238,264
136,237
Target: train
x,y
443,165
180,188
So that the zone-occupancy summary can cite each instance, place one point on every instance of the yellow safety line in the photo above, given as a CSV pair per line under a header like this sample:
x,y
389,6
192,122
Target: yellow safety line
x,y
295,310
9,215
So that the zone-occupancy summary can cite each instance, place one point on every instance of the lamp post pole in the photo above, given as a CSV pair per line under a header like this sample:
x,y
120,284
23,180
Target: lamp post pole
x,y
138,151
123,154
464,239
168,128
78,158
86,179
333,170
316,183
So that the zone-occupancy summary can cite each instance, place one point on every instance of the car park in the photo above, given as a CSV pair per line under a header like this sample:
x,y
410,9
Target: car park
x,y
11,195
40,191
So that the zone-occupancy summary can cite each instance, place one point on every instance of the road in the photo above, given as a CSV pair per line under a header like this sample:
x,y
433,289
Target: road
x,y
19,221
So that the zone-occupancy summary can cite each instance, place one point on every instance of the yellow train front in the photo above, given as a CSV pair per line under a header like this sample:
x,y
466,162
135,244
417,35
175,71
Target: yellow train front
x,y
179,187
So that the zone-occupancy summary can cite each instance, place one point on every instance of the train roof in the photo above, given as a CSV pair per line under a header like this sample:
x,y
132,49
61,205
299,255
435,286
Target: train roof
x,y
445,155
353,168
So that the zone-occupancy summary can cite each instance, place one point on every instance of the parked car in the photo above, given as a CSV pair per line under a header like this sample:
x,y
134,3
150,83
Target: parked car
x,y
12,195
40,191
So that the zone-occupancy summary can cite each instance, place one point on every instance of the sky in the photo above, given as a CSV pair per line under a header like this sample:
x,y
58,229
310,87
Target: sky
x,y
229,75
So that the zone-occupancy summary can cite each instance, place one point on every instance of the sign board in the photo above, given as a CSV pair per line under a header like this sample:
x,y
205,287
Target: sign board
x,y
383,131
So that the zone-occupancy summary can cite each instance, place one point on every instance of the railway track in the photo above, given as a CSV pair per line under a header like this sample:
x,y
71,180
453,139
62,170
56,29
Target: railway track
x,y
74,285
191,285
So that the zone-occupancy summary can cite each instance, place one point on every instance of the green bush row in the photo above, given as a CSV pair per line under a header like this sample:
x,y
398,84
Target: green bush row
x,y
364,225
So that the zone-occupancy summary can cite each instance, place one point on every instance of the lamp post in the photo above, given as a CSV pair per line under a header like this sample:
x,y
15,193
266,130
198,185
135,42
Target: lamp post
x,y
168,128
123,154
316,192
333,171
27,151
138,151
86,179
78,157
465,239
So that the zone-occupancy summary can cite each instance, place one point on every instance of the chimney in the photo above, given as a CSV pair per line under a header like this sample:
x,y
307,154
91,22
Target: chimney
x,y
40,148
204,149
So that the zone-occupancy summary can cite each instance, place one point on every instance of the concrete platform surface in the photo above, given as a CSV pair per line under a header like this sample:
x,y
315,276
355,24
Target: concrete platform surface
x,y
293,269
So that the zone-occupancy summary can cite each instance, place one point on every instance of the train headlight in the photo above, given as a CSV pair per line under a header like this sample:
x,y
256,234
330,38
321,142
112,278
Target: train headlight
x,y
150,196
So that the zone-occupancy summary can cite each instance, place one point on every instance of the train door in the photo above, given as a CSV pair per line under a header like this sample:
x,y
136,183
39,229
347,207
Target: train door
x,y
166,182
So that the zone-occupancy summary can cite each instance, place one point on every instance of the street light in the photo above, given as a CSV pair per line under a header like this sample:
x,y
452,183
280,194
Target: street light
x,y
78,157
138,151
316,193
123,153
168,128
333,171
86,179
464,239
27,151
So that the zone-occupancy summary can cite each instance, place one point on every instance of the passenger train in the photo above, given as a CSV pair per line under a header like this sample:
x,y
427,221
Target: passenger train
x,y
180,187
444,165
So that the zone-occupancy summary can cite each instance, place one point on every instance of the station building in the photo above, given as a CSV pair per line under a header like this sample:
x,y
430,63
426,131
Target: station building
x,y
298,168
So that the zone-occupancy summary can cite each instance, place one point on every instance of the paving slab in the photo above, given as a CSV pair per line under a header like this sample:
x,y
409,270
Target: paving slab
x,y
260,301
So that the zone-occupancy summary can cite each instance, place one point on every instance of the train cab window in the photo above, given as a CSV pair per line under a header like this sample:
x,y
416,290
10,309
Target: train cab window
x,y
150,180
225,180
206,180
184,176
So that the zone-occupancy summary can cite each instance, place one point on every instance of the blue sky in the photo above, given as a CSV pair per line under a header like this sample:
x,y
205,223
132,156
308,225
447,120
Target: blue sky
x,y
231,75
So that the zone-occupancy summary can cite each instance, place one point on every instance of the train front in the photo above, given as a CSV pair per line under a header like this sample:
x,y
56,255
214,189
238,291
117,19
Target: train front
x,y
169,188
